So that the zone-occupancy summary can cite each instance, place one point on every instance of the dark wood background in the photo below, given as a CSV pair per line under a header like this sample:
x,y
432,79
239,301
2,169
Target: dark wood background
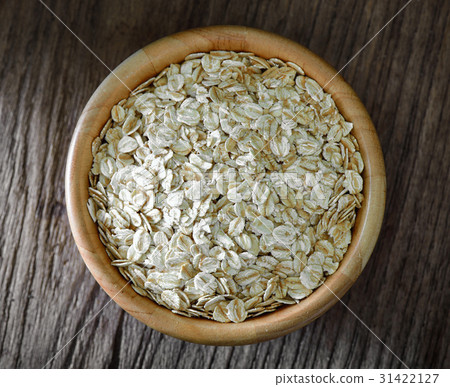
x,y
46,76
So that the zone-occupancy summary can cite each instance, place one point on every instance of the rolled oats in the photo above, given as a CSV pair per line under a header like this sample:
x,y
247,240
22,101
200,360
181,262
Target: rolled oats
x,y
226,186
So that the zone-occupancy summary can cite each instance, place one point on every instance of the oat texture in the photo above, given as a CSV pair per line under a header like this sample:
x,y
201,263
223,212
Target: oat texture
x,y
226,186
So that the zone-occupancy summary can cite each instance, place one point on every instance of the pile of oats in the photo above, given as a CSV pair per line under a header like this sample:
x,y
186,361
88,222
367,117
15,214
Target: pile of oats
x,y
226,186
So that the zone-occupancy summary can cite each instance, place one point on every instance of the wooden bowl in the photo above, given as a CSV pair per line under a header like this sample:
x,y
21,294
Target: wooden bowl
x,y
146,63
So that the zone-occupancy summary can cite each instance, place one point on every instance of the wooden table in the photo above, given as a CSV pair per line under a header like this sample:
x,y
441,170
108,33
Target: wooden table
x,y
47,294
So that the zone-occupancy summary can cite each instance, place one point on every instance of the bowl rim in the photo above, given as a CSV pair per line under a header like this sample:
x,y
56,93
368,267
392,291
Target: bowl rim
x,y
151,60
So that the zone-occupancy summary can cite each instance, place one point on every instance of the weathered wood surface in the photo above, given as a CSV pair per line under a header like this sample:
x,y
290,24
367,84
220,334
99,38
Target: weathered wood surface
x,y
46,76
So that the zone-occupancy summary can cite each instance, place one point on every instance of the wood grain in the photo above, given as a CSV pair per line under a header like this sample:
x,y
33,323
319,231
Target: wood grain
x,y
46,77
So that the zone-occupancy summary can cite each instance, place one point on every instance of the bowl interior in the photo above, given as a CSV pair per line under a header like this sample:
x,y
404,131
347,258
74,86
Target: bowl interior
x,y
144,64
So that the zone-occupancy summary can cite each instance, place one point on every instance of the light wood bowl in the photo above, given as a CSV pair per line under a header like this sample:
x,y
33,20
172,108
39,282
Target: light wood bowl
x,y
146,63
